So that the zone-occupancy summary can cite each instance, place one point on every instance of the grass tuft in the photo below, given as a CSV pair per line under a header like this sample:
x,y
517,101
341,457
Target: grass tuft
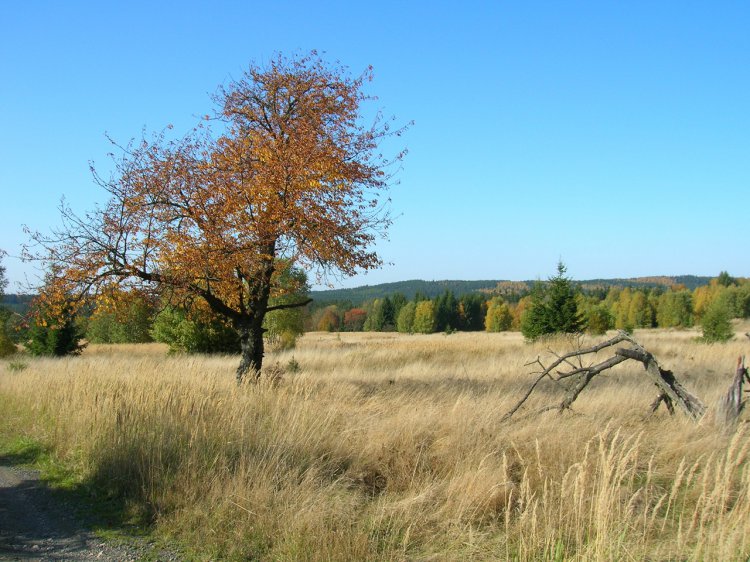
x,y
389,447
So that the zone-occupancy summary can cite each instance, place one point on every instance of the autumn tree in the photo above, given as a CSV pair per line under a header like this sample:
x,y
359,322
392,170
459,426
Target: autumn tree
x,y
330,319
675,309
499,317
290,173
424,317
354,319
405,319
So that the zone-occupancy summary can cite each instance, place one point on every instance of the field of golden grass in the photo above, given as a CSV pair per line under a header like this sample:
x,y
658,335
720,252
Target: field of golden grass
x,y
391,447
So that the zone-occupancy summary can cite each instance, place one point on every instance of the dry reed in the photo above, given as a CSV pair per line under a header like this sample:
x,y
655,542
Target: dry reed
x,y
390,447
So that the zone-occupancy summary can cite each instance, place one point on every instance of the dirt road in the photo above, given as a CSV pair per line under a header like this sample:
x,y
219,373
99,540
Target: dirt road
x,y
35,526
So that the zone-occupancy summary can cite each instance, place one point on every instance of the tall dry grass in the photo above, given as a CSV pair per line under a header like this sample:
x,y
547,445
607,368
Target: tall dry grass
x,y
390,447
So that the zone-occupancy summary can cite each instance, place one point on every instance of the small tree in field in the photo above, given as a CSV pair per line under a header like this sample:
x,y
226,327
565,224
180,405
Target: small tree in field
x,y
716,323
293,176
553,308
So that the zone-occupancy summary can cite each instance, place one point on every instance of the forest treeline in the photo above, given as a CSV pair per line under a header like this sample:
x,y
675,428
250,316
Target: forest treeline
x,y
598,307
555,305
514,290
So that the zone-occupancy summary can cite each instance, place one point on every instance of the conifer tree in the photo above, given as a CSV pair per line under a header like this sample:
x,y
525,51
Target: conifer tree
x,y
446,311
553,308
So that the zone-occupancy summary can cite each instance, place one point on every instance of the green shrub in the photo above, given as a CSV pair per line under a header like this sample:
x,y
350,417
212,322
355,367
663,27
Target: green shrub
x,y
131,325
17,366
598,320
7,347
55,338
716,323
174,327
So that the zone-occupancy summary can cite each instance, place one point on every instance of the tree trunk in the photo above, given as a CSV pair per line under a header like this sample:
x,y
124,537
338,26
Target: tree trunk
x,y
251,344
731,403
665,381
250,324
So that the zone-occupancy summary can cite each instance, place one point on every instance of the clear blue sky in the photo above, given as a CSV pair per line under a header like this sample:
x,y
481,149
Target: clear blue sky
x,y
613,135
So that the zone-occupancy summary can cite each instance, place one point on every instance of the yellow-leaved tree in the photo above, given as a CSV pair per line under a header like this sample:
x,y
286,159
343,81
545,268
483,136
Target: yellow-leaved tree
x,y
291,175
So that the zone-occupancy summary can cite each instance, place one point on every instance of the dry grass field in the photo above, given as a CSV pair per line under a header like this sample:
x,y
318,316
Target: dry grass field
x,y
391,447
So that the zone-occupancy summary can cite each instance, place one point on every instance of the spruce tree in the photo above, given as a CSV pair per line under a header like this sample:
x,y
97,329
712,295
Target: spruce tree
x,y
63,338
446,312
553,308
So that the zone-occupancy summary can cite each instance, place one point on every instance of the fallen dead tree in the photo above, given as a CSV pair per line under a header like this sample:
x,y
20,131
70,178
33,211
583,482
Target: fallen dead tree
x,y
573,376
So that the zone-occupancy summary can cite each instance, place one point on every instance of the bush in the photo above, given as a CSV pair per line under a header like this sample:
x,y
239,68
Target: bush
x,y
330,320
132,324
55,338
174,327
598,320
7,347
717,326
284,341
283,327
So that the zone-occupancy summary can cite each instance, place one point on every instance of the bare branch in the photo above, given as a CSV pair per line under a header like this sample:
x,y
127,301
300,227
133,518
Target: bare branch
x,y
670,390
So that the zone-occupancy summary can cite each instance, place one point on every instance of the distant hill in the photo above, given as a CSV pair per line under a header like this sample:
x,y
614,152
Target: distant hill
x,y
689,281
16,303
431,289
409,288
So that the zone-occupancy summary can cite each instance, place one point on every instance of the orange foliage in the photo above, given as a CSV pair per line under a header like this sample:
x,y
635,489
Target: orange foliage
x,y
292,175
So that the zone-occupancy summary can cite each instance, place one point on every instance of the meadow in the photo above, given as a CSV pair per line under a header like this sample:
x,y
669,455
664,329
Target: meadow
x,y
382,446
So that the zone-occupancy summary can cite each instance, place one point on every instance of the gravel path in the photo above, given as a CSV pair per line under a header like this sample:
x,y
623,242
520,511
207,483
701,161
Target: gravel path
x,y
34,526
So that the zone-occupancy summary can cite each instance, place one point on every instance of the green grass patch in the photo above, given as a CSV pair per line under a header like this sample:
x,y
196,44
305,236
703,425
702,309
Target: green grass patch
x,y
113,519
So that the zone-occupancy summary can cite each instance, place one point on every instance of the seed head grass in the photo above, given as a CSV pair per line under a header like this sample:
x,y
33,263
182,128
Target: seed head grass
x,y
391,447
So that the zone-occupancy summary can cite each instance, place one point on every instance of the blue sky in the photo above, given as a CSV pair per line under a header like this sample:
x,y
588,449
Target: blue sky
x,y
613,135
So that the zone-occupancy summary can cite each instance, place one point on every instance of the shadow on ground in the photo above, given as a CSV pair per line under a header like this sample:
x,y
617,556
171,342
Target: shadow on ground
x,y
55,520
